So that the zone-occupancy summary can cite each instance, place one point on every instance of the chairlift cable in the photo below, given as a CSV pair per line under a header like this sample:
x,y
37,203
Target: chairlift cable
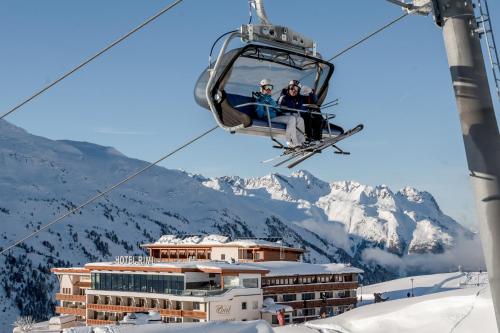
x,y
101,194
107,48
362,40
370,35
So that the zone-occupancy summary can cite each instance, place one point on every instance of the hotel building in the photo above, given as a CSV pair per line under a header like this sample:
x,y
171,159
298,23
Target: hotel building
x,y
184,283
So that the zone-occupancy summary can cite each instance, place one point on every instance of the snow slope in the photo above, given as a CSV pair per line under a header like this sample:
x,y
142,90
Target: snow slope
x,y
449,302
342,222
460,310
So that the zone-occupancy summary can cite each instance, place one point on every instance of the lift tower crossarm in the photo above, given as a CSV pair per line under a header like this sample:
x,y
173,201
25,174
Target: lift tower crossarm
x,y
479,125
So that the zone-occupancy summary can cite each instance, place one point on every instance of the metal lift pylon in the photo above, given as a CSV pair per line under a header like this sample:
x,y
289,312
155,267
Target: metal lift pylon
x,y
477,118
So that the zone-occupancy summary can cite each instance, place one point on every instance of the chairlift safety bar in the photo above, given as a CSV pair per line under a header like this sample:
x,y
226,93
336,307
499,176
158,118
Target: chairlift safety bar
x,y
326,116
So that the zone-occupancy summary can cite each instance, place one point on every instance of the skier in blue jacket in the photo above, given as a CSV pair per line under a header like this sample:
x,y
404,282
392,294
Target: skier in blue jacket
x,y
294,123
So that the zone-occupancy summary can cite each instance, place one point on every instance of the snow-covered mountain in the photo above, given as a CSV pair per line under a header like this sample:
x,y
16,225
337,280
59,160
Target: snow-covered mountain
x,y
373,228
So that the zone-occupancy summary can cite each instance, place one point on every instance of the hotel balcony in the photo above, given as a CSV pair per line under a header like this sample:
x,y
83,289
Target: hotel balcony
x,y
163,312
70,298
300,288
319,303
98,322
73,311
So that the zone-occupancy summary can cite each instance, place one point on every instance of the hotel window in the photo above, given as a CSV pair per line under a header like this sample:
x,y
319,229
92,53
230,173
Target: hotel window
x,y
308,296
125,278
222,257
95,281
138,282
274,297
289,297
131,278
143,284
327,294
156,284
196,305
251,283
308,312
149,282
243,305
231,281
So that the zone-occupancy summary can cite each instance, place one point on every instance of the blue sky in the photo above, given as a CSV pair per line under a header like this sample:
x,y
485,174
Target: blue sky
x,y
139,96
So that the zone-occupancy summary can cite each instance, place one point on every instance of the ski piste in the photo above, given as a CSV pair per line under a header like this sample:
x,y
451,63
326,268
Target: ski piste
x,y
303,154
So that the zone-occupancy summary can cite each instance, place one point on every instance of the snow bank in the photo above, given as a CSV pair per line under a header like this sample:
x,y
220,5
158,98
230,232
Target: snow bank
x,y
257,326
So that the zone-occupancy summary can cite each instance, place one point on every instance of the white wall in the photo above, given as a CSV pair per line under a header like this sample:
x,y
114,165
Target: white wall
x,y
66,282
231,310
230,252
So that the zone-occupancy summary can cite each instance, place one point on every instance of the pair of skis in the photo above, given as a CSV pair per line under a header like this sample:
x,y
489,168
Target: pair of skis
x,y
297,156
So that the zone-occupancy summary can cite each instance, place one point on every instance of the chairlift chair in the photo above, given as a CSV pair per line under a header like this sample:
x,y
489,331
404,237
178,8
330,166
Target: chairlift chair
x,y
227,86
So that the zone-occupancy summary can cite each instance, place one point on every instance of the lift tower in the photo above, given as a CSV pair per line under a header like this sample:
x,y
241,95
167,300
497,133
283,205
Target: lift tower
x,y
478,122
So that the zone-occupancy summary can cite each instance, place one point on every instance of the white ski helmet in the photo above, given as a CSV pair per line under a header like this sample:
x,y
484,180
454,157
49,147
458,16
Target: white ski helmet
x,y
265,82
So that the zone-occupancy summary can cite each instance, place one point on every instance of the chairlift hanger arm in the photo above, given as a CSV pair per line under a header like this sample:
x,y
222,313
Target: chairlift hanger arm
x,y
402,4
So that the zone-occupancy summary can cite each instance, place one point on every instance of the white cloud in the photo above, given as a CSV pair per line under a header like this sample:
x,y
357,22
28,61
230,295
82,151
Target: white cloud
x,y
466,253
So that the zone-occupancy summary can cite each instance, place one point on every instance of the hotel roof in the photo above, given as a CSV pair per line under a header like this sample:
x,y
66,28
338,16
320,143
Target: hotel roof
x,y
215,240
290,268
178,267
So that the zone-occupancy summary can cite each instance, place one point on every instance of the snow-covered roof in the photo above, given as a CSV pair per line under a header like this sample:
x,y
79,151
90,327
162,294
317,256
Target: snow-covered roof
x,y
201,265
213,240
287,268
255,242
191,240
70,270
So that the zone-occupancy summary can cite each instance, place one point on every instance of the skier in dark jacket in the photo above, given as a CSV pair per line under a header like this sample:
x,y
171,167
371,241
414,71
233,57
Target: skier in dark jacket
x,y
292,98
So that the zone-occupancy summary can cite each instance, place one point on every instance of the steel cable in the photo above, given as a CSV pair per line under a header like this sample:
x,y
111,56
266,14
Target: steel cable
x,y
369,36
94,198
118,41
359,42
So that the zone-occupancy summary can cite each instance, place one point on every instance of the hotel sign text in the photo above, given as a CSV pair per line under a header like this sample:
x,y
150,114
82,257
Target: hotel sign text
x,y
135,260
223,309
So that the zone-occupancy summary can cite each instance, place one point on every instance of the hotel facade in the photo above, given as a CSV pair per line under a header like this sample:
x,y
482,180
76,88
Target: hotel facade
x,y
208,278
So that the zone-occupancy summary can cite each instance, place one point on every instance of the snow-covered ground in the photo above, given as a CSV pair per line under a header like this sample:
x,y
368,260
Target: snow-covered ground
x,y
451,302
256,326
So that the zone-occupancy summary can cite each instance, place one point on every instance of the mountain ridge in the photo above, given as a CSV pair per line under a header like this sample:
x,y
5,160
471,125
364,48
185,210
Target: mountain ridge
x,y
341,221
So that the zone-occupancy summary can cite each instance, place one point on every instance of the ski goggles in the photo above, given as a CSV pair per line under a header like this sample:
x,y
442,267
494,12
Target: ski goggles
x,y
267,87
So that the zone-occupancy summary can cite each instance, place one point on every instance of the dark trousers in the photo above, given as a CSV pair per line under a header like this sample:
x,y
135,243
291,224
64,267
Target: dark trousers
x,y
314,126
